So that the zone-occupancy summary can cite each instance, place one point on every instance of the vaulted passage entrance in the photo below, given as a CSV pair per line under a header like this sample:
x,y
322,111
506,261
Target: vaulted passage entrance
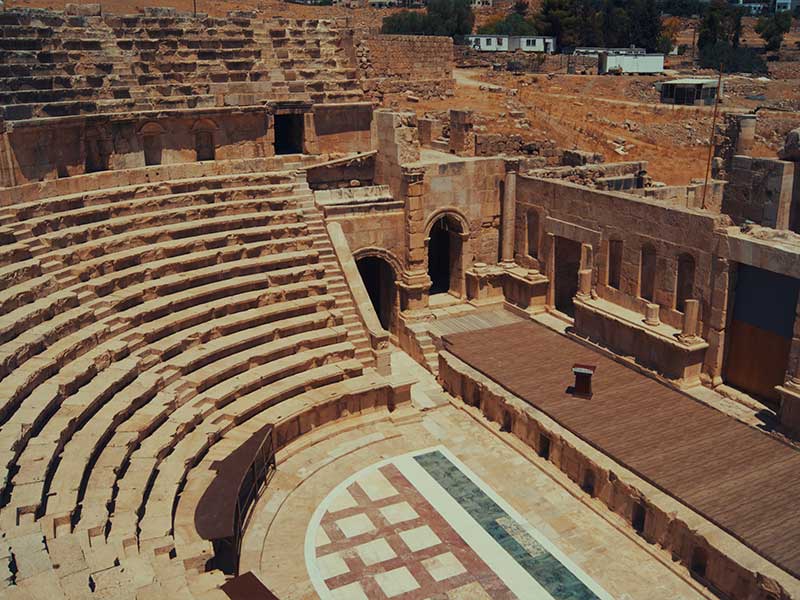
x,y
444,256
568,263
760,331
289,134
379,277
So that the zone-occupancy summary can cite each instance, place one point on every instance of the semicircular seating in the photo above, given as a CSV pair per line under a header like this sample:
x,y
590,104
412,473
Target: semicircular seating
x,y
148,324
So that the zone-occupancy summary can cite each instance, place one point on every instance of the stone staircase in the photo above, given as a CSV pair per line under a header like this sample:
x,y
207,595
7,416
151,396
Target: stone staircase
x,y
337,286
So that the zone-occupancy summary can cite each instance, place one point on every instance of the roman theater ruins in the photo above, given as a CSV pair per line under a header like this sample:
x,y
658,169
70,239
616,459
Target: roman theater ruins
x,y
263,337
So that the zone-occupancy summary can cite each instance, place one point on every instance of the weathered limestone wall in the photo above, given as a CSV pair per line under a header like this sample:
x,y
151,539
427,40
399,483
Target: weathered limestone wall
x,y
491,144
761,190
401,63
594,217
378,233
398,143
37,151
472,191
615,316
343,127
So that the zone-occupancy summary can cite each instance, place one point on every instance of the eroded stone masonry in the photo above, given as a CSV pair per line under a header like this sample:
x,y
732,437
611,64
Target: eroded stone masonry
x,y
212,241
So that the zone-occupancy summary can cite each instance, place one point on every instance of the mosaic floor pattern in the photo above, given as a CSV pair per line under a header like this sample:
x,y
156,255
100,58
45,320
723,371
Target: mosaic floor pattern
x,y
422,525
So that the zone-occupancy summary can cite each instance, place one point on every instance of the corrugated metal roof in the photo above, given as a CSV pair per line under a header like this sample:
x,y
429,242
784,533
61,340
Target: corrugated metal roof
x,y
690,81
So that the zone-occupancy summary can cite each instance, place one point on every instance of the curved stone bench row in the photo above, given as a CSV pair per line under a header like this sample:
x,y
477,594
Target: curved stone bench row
x,y
143,64
139,327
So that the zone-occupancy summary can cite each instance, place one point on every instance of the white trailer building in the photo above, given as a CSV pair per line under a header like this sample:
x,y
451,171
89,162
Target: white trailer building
x,y
509,43
489,43
534,43
630,63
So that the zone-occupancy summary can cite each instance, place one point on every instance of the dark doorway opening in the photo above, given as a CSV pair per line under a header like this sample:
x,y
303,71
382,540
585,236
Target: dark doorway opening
x,y
760,331
289,134
568,263
378,277
96,159
506,426
639,517
587,485
204,145
699,563
544,446
647,273
444,256
152,150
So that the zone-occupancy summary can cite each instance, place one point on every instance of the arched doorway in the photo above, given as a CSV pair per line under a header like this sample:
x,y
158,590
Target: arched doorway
x,y
379,277
444,256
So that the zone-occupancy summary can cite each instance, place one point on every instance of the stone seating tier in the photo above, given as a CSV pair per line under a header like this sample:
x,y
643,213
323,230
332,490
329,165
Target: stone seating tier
x,y
140,326
52,65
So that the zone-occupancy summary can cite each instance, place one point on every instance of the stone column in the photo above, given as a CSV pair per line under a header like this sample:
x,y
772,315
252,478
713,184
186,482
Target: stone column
x,y
509,211
414,282
585,283
691,312
462,138
746,134
425,128
651,315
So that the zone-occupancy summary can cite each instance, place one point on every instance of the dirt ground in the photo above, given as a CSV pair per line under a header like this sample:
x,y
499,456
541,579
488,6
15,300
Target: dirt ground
x,y
619,117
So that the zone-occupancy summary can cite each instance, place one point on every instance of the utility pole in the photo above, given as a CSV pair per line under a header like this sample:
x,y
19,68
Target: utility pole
x,y
711,136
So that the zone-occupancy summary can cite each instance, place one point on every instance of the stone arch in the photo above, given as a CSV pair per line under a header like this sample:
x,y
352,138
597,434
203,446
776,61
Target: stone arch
x,y
447,211
447,251
204,139
380,270
205,124
382,253
151,128
151,133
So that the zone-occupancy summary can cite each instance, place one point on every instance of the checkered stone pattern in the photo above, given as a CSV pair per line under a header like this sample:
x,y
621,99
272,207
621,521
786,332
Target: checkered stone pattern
x,y
381,539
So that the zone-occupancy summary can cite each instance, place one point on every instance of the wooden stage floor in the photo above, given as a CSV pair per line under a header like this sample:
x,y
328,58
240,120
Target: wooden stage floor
x,y
743,480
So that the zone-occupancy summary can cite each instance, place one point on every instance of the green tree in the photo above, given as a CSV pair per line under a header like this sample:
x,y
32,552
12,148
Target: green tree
x,y
721,22
451,17
442,17
772,28
644,23
610,23
681,8
512,24
558,18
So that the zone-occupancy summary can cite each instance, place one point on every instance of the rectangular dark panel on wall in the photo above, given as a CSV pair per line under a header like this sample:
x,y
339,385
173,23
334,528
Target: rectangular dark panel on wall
x,y
760,332
766,300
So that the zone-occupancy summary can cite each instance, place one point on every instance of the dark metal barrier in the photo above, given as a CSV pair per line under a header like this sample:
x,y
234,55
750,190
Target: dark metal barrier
x,y
222,513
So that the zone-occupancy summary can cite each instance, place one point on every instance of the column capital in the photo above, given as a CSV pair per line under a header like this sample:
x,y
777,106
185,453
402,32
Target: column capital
x,y
512,165
413,174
